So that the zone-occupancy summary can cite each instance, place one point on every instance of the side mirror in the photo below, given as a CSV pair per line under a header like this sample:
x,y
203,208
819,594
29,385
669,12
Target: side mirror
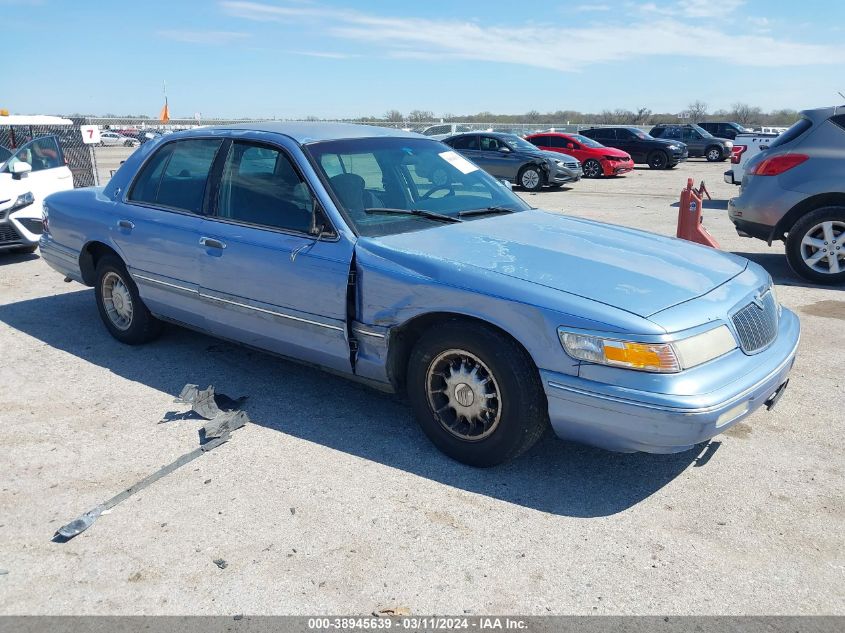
x,y
505,150
19,168
570,146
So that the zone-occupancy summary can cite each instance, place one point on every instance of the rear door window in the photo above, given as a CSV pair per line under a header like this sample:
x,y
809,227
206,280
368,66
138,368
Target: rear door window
x,y
176,176
465,142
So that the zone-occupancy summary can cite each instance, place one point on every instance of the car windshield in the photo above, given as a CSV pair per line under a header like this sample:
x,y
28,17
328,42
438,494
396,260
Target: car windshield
x,y
515,142
394,177
587,142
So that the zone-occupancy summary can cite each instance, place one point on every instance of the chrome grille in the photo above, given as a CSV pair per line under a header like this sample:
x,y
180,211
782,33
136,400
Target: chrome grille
x,y
571,165
757,326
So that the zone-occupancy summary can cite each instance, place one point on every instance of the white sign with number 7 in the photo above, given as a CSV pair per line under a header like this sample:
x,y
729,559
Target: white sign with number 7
x,y
90,134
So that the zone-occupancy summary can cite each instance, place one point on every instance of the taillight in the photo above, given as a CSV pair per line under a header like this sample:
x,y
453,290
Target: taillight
x,y
776,165
737,153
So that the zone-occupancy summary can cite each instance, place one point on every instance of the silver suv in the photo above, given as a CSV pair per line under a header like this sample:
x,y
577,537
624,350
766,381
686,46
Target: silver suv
x,y
795,192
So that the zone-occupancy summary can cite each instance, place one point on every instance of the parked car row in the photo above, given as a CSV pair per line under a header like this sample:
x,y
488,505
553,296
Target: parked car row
x,y
511,158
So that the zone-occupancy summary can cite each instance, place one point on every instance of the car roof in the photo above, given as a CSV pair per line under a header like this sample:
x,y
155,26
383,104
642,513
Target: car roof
x,y
308,132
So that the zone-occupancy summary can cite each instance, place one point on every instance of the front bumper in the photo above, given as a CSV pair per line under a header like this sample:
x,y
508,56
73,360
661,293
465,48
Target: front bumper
x,y
560,175
20,228
628,420
613,168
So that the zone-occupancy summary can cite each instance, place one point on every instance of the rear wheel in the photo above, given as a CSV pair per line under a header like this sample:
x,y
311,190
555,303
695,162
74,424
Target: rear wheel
x,y
713,154
815,246
476,394
592,169
530,178
123,312
658,160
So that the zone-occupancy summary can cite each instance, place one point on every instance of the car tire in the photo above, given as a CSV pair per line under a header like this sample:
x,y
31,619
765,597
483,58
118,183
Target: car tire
x,y
658,160
592,169
714,154
462,360
128,144
123,312
812,233
530,178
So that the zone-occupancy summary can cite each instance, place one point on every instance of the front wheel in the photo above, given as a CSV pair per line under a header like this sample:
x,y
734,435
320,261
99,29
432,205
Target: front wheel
x,y
592,169
815,246
123,312
713,154
530,178
476,394
658,160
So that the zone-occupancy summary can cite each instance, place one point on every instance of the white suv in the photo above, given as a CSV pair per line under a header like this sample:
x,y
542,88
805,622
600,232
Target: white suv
x,y
29,175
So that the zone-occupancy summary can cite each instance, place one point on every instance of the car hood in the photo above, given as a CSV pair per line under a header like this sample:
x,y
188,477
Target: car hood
x,y
558,156
610,151
638,272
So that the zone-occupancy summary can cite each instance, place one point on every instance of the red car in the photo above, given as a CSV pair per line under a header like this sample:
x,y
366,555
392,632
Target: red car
x,y
596,159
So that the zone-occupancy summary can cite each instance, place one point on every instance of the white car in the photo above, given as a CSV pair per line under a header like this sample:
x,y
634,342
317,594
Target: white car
x,y
115,139
29,175
746,146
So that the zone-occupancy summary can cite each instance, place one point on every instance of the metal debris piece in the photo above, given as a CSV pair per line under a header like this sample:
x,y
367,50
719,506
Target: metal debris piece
x,y
206,403
222,420
222,564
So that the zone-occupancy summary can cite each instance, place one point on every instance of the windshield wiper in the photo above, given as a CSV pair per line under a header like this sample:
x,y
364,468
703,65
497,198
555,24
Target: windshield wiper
x,y
431,215
485,211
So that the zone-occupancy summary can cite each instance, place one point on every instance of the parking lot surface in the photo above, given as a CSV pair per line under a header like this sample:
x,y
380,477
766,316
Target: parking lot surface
x,y
333,501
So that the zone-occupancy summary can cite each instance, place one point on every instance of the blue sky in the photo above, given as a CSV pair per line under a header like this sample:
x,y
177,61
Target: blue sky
x,y
335,58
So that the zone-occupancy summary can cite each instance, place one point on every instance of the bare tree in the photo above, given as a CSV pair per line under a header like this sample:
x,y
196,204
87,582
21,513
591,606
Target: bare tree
x,y
744,113
697,110
421,116
642,115
532,116
394,116
605,116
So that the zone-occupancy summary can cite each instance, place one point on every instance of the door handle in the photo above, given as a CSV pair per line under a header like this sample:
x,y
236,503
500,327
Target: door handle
x,y
210,242
126,224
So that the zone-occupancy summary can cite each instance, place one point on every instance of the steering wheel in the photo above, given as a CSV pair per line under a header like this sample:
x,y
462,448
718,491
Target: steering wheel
x,y
447,187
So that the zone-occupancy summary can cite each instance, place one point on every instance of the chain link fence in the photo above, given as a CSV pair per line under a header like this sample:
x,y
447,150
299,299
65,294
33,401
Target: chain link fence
x,y
95,164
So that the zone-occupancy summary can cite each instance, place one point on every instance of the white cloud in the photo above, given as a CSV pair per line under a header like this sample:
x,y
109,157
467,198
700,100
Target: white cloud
x,y
202,37
572,48
710,9
586,8
324,54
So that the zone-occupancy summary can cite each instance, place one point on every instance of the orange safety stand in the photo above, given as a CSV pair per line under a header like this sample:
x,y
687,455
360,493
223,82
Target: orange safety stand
x,y
689,216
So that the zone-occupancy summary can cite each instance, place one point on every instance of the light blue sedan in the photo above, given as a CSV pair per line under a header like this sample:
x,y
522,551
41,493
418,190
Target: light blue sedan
x,y
337,246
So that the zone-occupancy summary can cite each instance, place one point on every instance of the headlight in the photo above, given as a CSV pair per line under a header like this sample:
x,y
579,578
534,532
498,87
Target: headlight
x,y
664,358
674,147
559,163
729,144
24,200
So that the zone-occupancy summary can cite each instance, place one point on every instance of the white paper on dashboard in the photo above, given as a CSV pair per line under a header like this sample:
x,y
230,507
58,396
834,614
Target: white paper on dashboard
x,y
458,162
